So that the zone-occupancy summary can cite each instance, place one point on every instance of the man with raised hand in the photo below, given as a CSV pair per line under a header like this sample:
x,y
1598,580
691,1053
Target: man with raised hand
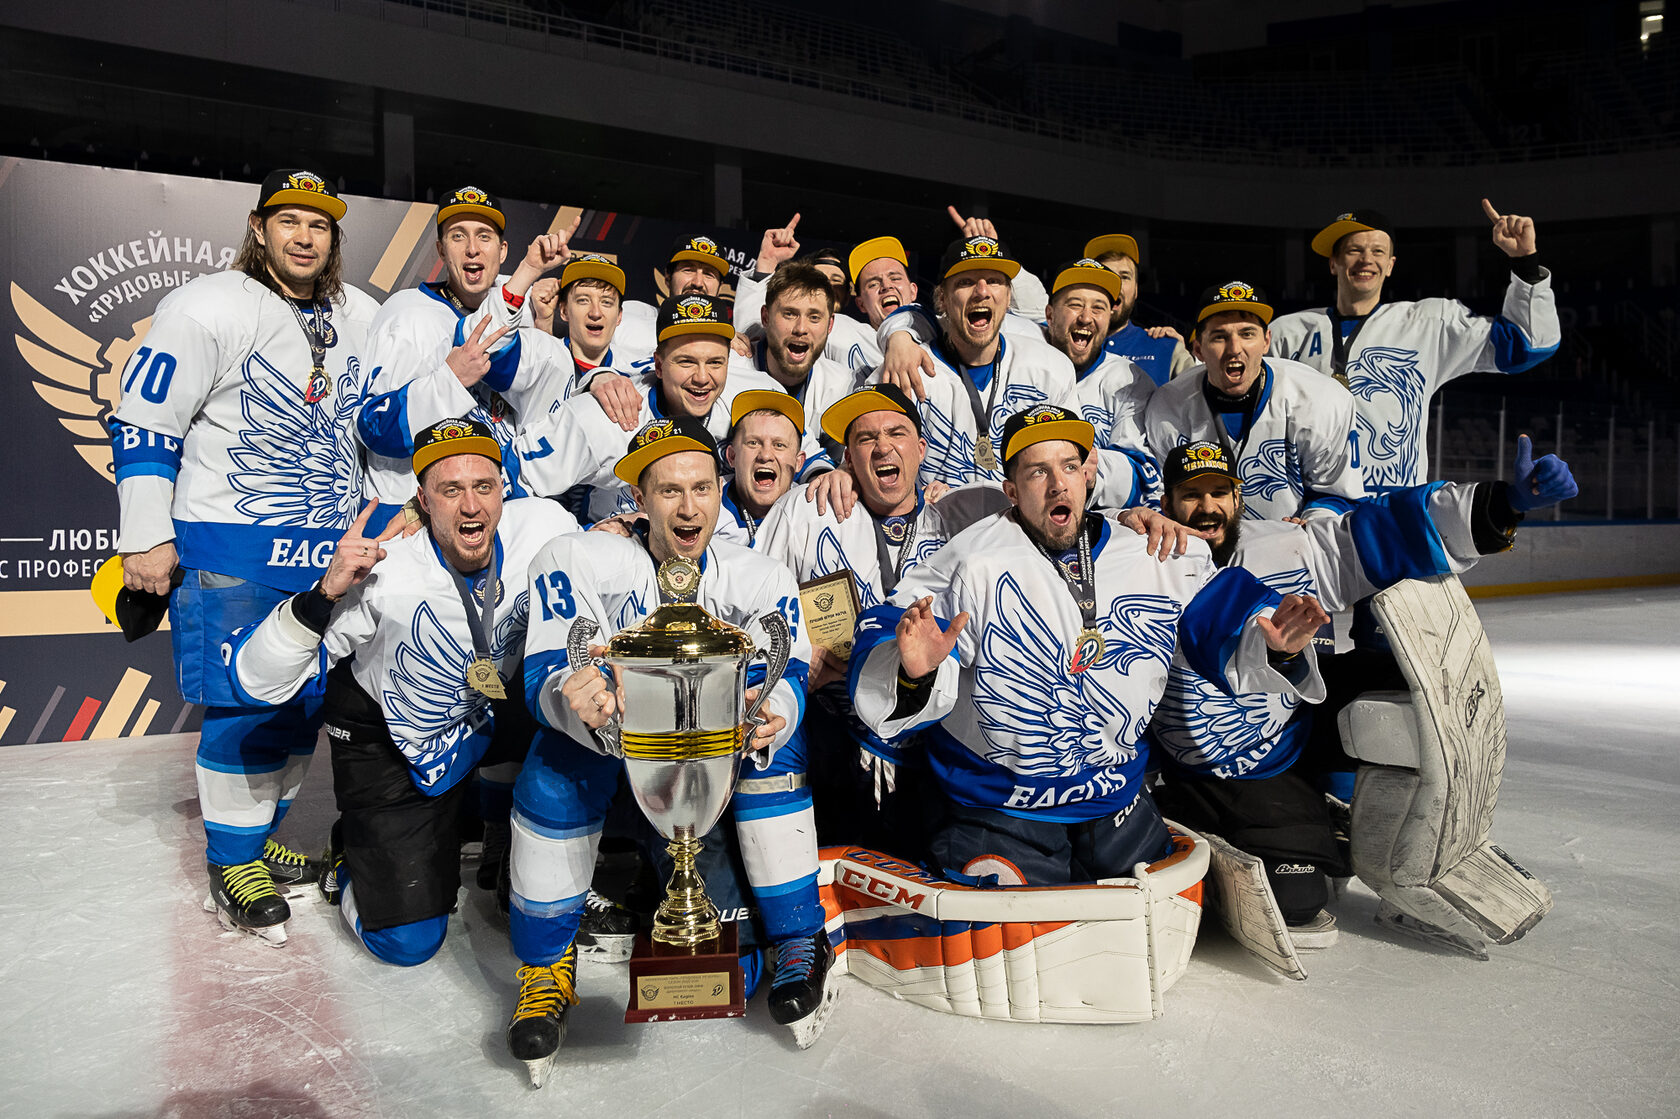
x,y
415,646
1288,431
452,349
237,471
569,779
1393,356
867,791
797,318
1157,350
1033,647
578,443
1249,767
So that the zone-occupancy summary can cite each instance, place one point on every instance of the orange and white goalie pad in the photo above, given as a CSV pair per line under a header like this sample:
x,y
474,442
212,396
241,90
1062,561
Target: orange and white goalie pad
x,y
1103,952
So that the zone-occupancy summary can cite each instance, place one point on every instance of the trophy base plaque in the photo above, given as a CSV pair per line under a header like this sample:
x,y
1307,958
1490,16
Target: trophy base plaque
x,y
671,984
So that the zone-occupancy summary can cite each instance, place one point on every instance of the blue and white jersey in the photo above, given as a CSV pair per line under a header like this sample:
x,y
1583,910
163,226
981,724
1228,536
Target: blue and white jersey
x,y
414,388
1028,371
814,544
1296,458
1405,351
1113,394
1406,534
611,580
1018,729
578,444
407,630
1159,358
224,443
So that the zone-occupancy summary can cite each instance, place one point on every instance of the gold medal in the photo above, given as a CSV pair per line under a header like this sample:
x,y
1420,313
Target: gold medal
x,y
1087,652
483,678
319,387
984,457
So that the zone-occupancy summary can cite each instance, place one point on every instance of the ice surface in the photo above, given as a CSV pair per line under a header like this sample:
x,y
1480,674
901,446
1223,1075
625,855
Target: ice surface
x,y
124,999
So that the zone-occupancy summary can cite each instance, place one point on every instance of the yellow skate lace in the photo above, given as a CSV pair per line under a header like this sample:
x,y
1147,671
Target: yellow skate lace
x,y
248,882
278,853
543,989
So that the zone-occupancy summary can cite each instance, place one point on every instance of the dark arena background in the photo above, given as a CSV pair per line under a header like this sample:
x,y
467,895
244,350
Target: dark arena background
x,y
1220,134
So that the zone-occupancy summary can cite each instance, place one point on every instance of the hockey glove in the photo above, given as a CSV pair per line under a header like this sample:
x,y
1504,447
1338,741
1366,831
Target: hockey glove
x,y
1537,484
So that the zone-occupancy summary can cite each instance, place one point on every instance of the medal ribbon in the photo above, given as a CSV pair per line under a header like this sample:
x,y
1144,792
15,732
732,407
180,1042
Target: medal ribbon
x,y
315,330
479,622
982,413
891,572
1340,344
1083,588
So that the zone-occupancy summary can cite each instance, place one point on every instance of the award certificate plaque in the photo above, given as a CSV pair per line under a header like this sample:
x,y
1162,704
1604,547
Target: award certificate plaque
x,y
831,610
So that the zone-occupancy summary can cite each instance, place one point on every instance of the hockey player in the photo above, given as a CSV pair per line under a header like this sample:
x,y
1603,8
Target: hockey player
x,y
981,378
696,266
1289,432
578,443
849,343
450,349
1034,646
1394,356
427,633
237,471
867,791
764,457
1244,766
1112,390
797,317
1157,350
568,781
586,301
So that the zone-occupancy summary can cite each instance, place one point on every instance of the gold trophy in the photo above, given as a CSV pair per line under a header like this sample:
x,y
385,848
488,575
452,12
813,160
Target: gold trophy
x,y
682,728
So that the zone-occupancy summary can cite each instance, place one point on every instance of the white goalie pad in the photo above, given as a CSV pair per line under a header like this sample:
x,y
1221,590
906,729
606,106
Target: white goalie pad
x,y
1242,900
1424,797
1104,952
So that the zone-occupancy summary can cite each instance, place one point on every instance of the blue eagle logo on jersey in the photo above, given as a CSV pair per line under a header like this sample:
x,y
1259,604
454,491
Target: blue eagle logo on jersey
x,y
1038,719
1271,473
630,611
950,453
831,557
1391,444
428,706
1201,726
297,463
1139,627
1297,580
1100,418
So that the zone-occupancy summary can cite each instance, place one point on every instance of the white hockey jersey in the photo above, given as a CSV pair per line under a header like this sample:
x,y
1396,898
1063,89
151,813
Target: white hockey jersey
x,y
414,388
611,580
1407,534
1113,394
827,382
1021,732
407,630
814,544
578,444
1403,352
1296,458
222,443
1026,372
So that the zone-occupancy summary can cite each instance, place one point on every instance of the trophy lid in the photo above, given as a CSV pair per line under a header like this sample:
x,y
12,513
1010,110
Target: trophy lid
x,y
680,629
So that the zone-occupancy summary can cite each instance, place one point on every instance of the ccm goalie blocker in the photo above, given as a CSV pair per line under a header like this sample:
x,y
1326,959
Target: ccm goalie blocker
x,y
1432,759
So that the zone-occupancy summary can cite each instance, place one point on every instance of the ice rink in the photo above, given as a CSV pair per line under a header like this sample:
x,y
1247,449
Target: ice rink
x,y
124,999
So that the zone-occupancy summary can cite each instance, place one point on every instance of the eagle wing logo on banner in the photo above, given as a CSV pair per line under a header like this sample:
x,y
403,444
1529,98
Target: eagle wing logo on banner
x,y
77,381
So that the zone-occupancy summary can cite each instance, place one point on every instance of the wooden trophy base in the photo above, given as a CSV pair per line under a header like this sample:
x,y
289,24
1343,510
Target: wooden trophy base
x,y
677,984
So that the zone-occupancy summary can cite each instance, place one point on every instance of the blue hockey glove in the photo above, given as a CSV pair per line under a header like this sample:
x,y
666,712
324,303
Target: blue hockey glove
x,y
1537,484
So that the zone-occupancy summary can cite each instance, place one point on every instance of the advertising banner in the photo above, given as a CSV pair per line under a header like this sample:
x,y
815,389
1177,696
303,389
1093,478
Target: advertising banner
x,y
88,253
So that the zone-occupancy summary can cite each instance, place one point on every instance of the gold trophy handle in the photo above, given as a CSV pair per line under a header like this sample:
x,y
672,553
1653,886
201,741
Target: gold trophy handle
x,y
583,631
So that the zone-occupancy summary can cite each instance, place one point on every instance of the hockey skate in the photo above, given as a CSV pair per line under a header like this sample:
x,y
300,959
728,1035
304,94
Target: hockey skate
x,y
331,878
803,989
539,1018
1320,932
607,931
287,868
244,899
